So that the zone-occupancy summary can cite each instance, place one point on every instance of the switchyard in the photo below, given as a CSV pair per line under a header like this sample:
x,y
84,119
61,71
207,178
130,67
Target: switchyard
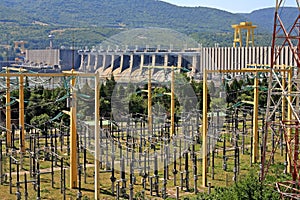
x,y
137,156
166,134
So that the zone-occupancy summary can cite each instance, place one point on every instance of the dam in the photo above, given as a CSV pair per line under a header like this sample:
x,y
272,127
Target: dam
x,y
194,60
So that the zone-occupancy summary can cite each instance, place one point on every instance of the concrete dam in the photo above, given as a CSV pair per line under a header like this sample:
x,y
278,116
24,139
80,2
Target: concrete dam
x,y
131,63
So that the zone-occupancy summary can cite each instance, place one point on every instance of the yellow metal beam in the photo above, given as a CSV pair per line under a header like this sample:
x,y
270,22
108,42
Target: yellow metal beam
x,y
246,70
255,117
255,120
172,102
73,137
73,132
21,114
204,131
149,101
97,137
150,119
8,112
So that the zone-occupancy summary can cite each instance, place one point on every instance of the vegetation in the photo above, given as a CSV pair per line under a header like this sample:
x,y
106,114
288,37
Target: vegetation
x,y
138,101
242,90
248,187
89,23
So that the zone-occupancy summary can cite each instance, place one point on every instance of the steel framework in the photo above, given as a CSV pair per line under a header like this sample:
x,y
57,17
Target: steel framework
x,y
283,99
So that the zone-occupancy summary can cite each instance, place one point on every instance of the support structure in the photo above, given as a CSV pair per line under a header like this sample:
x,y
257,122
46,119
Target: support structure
x,y
172,94
97,137
73,136
172,130
204,130
255,113
150,125
8,111
238,35
255,119
282,38
21,114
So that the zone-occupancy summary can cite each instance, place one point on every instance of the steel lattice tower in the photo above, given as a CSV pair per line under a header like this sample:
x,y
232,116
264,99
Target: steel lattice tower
x,y
283,98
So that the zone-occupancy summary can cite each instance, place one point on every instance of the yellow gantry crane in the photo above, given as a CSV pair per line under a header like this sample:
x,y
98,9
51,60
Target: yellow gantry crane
x,y
238,36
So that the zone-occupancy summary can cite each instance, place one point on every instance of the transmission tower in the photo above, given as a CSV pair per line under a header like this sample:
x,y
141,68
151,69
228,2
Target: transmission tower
x,y
282,112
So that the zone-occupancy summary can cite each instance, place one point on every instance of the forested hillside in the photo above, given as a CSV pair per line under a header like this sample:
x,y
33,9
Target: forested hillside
x,y
87,23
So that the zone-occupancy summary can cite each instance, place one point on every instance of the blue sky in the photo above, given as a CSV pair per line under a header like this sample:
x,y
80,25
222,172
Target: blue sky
x,y
234,6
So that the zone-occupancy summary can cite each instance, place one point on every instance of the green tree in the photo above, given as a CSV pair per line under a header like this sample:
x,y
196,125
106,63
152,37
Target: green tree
x,y
40,121
249,188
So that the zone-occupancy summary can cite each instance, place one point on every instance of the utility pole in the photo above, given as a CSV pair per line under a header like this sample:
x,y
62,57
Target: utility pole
x,y
204,130
73,136
21,113
8,111
255,119
172,130
149,101
97,136
172,94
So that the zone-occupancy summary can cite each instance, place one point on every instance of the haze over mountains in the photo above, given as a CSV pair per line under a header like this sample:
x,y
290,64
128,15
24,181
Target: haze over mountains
x,y
32,20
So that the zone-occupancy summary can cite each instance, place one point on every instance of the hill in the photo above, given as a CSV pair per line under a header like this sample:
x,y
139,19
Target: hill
x,y
128,13
87,23
264,18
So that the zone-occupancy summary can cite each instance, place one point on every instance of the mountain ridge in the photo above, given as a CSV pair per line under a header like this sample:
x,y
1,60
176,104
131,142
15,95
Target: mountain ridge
x,y
106,17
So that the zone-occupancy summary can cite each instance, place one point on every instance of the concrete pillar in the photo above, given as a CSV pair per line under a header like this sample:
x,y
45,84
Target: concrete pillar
x,y
269,55
222,57
238,59
243,58
202,59
142,61
225,58
88,62
249,56
104,61
210,62
153,59
131,62
218,57
281,58
254,54
112,61
246,56
231,54
194,64
81,62
235,58
213,63
121,62
290,58
179,60
166,60
261,57
96,62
